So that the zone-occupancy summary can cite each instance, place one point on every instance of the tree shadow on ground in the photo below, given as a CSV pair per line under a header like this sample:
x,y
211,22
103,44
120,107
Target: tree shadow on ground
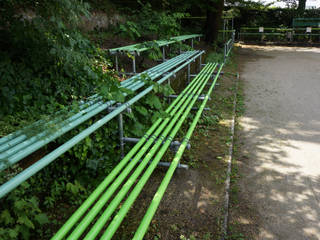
x,y
279,187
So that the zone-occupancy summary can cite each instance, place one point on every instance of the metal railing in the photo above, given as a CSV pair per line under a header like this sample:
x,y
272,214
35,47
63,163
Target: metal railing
x,y
34,144
228,47
159,136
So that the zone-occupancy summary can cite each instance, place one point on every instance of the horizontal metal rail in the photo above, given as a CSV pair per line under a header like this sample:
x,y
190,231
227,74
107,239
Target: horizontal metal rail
x,y
126,84
22,146
175,125
137,151
142,229
141,47
30,171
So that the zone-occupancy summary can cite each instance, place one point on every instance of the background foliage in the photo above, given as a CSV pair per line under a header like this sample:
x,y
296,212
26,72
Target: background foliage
x,y
47,64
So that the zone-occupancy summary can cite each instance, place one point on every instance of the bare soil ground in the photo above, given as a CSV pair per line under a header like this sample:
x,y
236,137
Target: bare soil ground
x,y
278,193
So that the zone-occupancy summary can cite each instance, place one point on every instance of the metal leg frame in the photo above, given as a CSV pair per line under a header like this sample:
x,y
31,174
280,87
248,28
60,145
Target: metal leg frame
x,y
134,65
174,146
200,98
188,73
117,64
120,126
163,54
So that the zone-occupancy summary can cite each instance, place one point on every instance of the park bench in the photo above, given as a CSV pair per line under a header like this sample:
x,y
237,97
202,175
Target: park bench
x,y
104,210
136,49
19,145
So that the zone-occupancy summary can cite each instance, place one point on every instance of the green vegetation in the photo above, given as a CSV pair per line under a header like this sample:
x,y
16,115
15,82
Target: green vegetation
x,y
50,63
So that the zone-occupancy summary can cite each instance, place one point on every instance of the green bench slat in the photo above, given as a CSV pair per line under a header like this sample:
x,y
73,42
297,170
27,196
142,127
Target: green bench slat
x,y
23,144
24,175
178,111
141,47
142,229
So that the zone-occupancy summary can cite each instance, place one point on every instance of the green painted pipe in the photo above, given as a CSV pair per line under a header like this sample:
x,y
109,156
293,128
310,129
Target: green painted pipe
x,y
142,229
122,192
96,209
30,171
113,226
32,144
76,216
129,83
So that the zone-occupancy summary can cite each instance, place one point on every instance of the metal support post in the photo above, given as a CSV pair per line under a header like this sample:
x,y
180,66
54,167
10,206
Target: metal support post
x,y
120,119
188,73
134,64
168,164
117,65
224,29
205,109
192,42
225,49
200,62
120,125
173,146
199,98
163,54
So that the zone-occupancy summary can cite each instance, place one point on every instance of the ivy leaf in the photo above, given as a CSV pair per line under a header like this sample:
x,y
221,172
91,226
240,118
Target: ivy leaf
x,y
34,202
20,204
154,101
138,129
142,110
26,98
24,220
167,90
13,234
72,188
42,218
25,232
6,218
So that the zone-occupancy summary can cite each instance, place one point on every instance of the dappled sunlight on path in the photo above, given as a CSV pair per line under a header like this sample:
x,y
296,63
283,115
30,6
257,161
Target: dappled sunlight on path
x,y
280,140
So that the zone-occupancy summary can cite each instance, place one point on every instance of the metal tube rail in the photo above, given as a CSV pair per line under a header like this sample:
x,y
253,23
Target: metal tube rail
x,y
106,196
125,188
30,171
35,143
144,224
92,198
127,83
113,226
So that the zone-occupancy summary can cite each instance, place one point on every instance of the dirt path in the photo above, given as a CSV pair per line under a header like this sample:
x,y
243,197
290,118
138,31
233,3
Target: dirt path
x,y
279,160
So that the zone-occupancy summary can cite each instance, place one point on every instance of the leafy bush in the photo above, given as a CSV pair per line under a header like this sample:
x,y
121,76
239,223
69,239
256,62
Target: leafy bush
x,y
47,66
149,24
45,62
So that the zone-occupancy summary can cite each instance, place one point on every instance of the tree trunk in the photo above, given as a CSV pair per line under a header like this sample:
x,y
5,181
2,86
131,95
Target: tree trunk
x,y
301,6
213,21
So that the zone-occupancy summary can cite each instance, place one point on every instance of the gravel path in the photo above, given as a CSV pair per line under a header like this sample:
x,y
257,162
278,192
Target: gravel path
x,y
281,141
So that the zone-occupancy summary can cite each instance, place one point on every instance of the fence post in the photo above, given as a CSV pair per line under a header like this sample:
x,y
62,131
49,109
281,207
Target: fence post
x,y
120,123
224,57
